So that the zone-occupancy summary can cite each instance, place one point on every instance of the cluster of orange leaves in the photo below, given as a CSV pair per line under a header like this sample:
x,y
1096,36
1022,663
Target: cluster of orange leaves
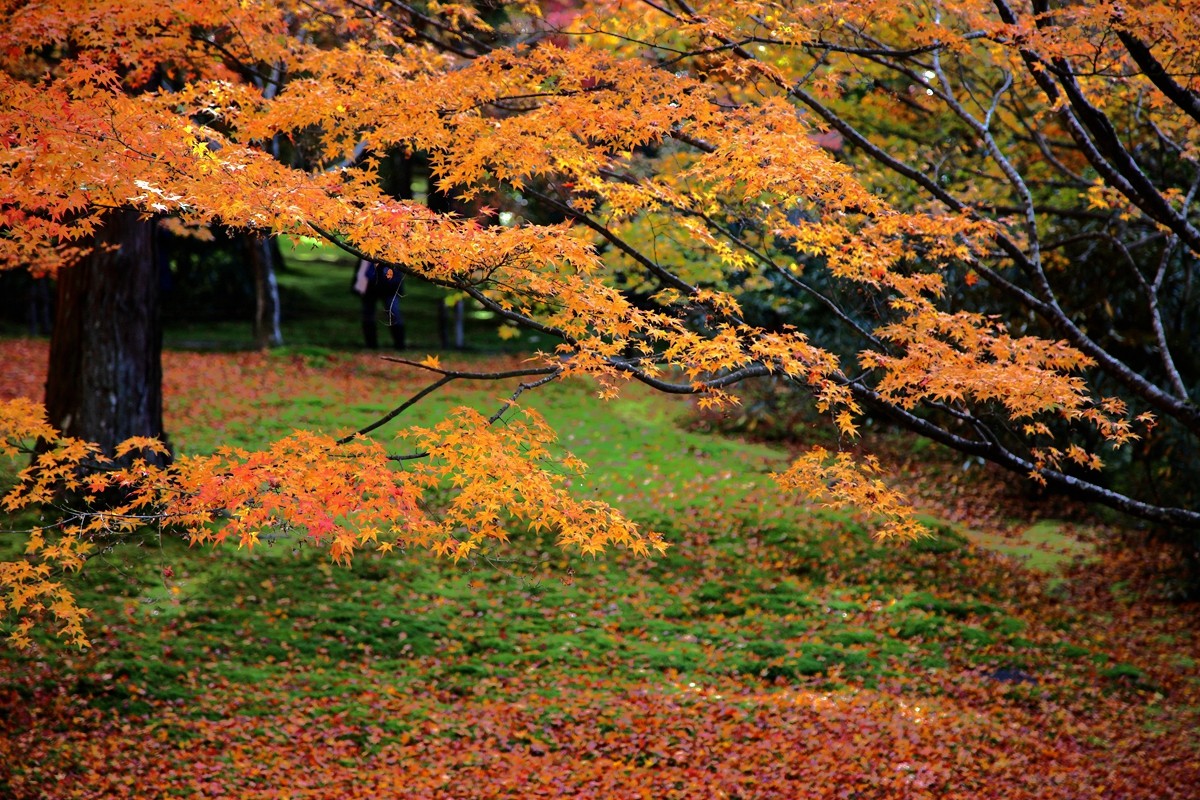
x,y
82,135
475,483
81,143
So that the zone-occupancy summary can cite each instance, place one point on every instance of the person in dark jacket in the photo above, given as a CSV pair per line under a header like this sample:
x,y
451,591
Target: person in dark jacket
x,y
376,285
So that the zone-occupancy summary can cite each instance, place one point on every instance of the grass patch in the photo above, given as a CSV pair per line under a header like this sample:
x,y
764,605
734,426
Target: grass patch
x,y
1045,546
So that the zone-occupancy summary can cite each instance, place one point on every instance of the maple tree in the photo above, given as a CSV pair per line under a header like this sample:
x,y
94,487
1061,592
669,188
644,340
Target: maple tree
x,y
685,150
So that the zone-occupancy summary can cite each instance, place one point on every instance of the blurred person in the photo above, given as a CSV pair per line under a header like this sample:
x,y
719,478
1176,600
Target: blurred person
x,y
376,285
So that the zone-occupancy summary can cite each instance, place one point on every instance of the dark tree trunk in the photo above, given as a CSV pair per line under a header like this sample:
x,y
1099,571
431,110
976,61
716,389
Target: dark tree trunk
x,y
105,378
263,258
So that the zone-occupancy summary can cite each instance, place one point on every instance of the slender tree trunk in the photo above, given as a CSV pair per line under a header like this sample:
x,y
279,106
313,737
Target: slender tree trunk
x,y
105,377
266,293
460,337
442,203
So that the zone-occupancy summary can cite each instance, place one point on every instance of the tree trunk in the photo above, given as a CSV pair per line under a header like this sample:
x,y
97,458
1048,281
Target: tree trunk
x,y
460,337
105,377
443,203
266,293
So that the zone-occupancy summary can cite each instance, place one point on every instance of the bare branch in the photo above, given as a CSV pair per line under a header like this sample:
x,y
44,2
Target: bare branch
x,y
398,410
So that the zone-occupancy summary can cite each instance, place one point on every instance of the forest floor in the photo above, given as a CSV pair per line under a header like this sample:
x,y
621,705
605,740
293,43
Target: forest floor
x,y
1023,650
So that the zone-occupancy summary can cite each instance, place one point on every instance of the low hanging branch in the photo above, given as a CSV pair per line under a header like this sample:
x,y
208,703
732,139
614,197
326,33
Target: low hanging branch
x,y
449,376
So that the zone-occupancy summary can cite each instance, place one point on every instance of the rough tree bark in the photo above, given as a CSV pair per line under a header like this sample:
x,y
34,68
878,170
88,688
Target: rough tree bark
x,y
105,377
